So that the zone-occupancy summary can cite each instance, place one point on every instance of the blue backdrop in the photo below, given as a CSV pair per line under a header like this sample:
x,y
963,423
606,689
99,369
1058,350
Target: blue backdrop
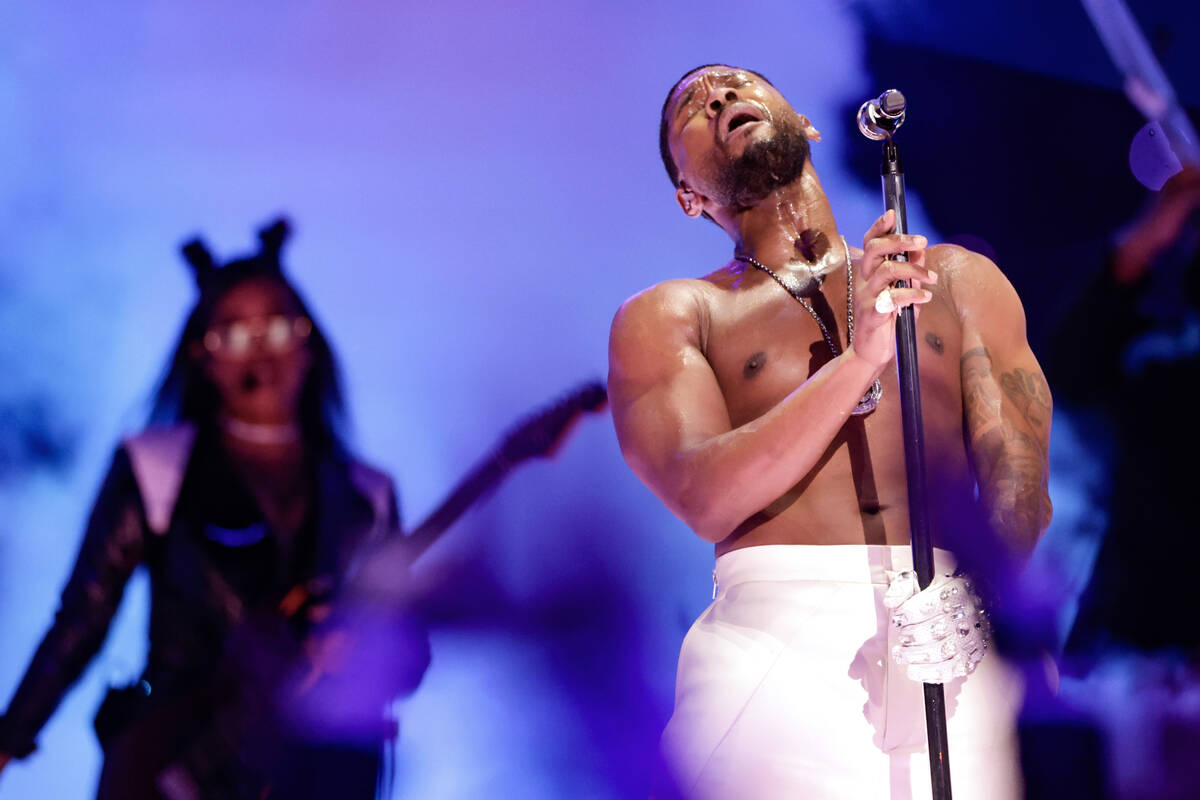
x,y
475,189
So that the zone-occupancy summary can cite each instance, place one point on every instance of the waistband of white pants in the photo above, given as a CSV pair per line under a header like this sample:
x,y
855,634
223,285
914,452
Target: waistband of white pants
x,y
843,563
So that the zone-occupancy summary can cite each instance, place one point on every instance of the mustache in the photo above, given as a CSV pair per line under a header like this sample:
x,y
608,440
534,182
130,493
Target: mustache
x,y
765,165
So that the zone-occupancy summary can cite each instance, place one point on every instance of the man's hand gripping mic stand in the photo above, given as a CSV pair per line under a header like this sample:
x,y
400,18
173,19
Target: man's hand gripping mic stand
x,y
878,119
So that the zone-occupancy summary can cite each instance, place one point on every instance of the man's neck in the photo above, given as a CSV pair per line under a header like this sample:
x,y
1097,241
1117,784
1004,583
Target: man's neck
x,y
792,227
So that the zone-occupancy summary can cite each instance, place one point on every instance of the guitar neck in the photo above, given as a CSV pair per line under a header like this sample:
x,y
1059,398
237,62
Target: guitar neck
x,y
538,436
478,482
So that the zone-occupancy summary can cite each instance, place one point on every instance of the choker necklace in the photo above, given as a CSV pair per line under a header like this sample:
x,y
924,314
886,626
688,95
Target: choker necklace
x,y
258,433
871,399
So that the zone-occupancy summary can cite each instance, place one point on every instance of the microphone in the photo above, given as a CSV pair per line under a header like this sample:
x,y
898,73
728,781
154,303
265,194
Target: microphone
x,y
879,118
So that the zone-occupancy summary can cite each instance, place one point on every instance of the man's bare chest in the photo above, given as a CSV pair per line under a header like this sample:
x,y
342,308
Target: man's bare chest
x,y
762,344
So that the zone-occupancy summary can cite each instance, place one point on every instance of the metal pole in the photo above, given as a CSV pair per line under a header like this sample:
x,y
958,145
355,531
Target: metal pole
x,y
914,462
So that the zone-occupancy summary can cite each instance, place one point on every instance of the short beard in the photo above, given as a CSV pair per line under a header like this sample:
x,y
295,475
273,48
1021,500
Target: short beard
x,y
764,166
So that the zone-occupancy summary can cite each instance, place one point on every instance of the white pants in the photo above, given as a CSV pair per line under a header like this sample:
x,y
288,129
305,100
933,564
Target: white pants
x,y
786,690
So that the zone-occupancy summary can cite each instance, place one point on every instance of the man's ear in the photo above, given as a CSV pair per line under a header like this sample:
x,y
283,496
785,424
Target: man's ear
x,y
691,203
808,130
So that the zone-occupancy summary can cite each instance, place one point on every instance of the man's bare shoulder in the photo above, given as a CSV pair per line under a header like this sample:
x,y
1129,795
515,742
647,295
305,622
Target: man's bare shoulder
x,y
975,284
966,273
680,300
670,304
956,263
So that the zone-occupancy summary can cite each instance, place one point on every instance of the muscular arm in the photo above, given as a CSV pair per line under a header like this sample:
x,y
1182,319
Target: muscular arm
x,y
674,427
1006,401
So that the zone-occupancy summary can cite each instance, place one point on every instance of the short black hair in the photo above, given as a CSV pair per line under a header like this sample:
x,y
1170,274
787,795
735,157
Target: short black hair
x,y
664,149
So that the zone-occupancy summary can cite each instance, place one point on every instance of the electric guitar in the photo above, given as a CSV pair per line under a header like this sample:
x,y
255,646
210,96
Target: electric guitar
x,y
263,651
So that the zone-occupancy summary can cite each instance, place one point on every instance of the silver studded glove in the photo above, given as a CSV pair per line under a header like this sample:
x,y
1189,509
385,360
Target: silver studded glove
x,y
941,632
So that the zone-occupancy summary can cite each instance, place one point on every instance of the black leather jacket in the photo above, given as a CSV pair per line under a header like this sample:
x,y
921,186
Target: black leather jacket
x,y
199,588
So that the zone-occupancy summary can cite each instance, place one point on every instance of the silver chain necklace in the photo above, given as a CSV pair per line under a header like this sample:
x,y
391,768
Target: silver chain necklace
x,y
871,399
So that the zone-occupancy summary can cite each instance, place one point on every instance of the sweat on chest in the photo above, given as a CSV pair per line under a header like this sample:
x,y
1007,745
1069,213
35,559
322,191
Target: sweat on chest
x,y
766,351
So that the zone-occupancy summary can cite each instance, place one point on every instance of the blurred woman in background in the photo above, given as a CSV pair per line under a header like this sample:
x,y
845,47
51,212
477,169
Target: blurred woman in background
x,y
247,508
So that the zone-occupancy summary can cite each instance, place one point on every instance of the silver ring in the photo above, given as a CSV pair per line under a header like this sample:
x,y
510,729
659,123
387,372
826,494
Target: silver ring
x,y
885,304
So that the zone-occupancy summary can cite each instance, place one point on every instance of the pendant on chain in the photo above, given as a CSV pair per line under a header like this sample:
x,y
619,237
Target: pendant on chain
x,y
869,400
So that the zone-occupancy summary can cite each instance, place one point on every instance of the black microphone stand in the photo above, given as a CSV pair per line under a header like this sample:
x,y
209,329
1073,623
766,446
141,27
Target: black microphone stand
x,y
914,462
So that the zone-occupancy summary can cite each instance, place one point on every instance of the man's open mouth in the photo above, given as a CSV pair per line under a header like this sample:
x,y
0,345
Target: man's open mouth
x,y
739,115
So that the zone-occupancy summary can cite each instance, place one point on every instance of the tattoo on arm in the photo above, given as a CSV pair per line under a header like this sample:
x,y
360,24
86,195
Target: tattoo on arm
x,y
1008,427
1030,394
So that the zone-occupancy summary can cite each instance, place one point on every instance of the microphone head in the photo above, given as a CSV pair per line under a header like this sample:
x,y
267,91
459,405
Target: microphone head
x,y
891,103
879,118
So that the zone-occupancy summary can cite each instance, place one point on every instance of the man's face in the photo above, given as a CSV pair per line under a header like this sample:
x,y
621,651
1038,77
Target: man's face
x,y
734,137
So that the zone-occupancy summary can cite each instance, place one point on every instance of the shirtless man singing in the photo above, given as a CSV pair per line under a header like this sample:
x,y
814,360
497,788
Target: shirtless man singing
x,y
760,404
